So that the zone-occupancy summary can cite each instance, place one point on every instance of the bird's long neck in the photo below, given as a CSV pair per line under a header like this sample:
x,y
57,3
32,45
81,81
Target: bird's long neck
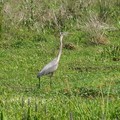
x,y
60,50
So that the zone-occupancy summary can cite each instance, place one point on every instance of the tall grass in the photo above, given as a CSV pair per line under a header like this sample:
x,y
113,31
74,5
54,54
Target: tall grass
x,y
56,15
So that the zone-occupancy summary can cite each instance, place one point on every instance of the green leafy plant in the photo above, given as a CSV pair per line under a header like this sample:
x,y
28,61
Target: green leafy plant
x,y
112,52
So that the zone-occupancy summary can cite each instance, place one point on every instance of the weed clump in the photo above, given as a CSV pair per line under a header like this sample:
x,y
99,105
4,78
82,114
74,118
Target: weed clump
x,y
69,46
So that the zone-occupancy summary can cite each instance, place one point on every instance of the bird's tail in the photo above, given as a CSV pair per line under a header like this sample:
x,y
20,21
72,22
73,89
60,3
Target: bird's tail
x,y
39,74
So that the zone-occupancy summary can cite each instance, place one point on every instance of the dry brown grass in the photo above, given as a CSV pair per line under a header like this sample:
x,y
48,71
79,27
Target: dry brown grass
x,y
96,29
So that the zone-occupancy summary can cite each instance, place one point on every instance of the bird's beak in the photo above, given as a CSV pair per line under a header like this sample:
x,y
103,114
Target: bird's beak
x,y
66,33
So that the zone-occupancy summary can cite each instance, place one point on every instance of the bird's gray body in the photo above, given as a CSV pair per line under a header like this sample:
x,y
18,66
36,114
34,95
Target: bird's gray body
x,y
49,68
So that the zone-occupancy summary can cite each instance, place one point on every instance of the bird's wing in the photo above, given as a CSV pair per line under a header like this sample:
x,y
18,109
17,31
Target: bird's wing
x,y
50,67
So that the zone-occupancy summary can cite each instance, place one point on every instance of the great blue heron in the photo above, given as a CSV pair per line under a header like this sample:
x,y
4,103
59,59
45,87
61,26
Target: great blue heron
x,y
53,65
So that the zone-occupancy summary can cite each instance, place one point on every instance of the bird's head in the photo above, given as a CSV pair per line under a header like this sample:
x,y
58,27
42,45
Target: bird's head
x,y
63,33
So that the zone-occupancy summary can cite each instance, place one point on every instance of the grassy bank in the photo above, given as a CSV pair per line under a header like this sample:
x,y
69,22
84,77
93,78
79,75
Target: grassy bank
x,y
86,84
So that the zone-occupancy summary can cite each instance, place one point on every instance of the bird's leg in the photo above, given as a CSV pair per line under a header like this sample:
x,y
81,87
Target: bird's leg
x,y
39,82
51,74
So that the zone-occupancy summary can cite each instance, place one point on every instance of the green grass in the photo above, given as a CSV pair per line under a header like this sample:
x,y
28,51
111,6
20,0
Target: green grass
x,y
85,86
